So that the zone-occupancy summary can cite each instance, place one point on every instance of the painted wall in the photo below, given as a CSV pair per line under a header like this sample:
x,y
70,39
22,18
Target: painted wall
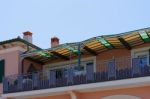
x,y
11,63
141,92
127,93
109,55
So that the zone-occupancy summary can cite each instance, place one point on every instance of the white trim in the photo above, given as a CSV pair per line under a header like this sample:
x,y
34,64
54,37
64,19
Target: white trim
x,y
101,86
12,49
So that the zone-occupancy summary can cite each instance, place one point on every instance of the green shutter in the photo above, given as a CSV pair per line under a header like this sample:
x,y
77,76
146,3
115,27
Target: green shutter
x,y
2,70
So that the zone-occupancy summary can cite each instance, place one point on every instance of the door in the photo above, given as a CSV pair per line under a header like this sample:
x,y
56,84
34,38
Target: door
x,y
111,69
140,63
90,72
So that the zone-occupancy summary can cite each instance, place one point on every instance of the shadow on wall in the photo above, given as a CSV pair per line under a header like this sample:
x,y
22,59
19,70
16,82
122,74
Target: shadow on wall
x,y
121,97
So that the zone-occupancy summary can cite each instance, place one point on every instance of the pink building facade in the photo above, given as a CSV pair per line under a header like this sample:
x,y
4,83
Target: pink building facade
x,y
103,67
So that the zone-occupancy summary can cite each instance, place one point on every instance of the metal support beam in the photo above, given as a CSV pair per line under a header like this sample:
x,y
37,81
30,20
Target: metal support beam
x,y
59,55
90,51
79,55
126,44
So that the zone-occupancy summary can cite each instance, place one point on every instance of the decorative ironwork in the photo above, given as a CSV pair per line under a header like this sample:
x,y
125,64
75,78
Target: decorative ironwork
x,y
118,68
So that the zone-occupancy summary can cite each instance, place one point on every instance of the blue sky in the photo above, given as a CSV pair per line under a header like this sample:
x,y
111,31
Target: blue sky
x,y
71,20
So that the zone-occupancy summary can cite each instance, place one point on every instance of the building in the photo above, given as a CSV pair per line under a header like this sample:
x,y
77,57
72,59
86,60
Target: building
x,y
104,67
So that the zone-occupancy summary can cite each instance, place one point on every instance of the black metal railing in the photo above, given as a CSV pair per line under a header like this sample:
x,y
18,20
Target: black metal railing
x,y
115,69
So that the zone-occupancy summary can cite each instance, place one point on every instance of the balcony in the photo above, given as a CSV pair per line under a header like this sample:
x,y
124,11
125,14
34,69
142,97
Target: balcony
x,y
108,70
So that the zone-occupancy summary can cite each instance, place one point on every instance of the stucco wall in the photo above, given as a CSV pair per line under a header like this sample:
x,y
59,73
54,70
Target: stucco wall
x,y
110,54
141,92
127,93
11,63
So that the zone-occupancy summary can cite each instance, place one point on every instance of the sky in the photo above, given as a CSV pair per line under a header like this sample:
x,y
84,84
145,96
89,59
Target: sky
x,y
71,20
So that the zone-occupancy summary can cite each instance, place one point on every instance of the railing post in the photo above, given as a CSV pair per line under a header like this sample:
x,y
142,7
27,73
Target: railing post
x,y
52,78
70,75
19,82
135,67
5,85
111,69
79,56
90,72
35,78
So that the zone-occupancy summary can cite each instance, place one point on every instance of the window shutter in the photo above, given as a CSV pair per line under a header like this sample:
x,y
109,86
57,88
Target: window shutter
x,y
2,69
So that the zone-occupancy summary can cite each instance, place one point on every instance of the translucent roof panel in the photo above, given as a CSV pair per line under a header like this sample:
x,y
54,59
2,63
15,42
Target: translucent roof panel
x,y
43,54
71,48
144,36
104,42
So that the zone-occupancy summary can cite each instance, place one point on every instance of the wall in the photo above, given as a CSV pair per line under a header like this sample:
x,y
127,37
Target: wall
x,y
109,55
11,63
141,92
131,93
124,54
73,58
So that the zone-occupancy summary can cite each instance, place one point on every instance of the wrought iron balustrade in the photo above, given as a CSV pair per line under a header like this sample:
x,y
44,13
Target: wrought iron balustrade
x,y
108,70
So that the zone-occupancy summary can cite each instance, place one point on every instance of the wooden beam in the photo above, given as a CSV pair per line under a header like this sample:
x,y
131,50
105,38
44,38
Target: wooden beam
x,y
59,55
126,44
90,51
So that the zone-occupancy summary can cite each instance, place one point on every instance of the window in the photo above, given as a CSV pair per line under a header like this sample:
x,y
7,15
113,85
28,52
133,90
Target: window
x,y
59,73
144,58
2,69
62,70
